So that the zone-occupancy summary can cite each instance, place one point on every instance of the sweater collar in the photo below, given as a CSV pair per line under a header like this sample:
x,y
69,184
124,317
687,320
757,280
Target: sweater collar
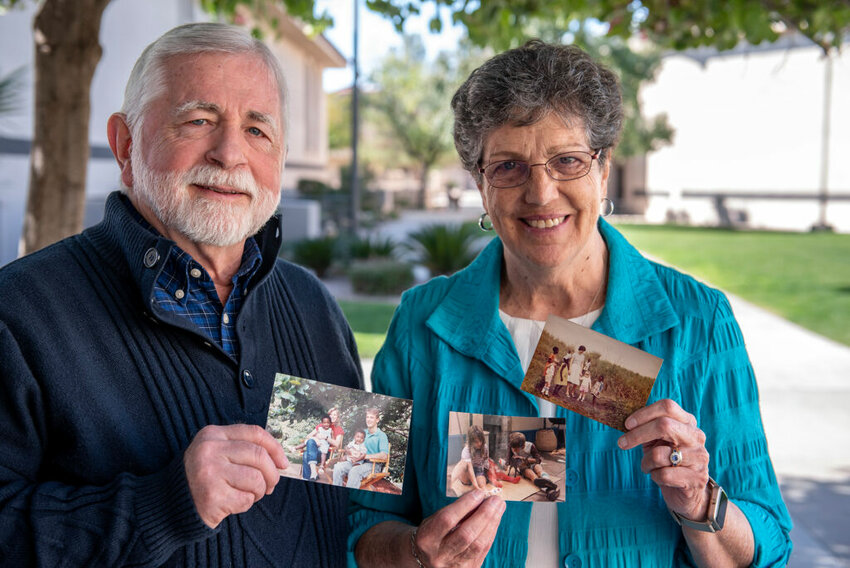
x,y
125,242
636,305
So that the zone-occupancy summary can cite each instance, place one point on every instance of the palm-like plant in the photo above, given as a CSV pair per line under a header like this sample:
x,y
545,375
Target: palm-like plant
x,y
445,249
11,86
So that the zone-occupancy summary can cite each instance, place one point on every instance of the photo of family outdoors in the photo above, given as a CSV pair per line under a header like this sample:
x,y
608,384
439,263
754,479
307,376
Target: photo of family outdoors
x,y
590,373
514,457
340,436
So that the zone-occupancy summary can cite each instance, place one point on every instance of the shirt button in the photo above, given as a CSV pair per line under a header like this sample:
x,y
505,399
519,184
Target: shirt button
x,y
226,319
151,257
572,561
179,294
196,273
247,378
570,477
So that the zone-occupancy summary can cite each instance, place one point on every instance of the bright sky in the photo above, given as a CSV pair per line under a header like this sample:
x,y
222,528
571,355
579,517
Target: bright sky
x,y
377,37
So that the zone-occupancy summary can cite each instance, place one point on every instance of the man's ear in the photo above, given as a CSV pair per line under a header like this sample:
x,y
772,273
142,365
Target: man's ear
x,y
120,141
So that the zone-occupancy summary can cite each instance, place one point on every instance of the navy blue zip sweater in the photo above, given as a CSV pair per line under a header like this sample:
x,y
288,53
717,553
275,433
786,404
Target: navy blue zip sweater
x,y
101,393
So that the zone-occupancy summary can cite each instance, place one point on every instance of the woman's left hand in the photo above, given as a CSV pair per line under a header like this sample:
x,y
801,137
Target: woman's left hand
x,y
662,428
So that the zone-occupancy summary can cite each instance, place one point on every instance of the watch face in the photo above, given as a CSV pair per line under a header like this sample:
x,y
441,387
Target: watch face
x,y
722,501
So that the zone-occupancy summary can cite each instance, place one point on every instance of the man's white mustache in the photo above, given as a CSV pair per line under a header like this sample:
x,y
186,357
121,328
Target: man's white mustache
x,y
241,181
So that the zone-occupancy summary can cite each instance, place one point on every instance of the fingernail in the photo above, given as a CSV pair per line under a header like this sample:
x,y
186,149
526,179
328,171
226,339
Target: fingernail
x,y
631,423
622,442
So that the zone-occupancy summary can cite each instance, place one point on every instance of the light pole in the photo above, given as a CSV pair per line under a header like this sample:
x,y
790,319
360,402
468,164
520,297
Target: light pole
x,y
822,225
355,123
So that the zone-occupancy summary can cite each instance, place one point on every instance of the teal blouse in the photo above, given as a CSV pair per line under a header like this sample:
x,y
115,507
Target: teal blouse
x,y
448,350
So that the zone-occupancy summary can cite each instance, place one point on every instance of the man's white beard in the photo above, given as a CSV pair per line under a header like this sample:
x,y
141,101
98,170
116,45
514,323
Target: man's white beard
x,y
201,220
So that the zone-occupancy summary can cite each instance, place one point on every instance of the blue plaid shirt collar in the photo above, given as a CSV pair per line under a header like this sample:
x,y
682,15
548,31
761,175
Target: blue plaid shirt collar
x,y
185,288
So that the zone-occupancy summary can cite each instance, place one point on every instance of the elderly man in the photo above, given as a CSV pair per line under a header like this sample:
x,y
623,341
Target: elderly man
x,y
377,447
137,358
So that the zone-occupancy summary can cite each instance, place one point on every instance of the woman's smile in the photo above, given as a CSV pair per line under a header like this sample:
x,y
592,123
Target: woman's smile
x,y
541,222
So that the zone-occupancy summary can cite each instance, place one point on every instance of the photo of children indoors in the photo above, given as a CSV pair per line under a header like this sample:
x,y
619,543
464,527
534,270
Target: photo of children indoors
x,y
525,460
498,454
474,465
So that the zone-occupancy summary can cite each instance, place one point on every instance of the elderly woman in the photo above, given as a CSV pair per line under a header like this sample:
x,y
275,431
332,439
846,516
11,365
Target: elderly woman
x,y
536,126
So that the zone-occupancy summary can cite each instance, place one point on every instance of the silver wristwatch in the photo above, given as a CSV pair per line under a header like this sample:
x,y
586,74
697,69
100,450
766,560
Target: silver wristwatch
x,y
716,511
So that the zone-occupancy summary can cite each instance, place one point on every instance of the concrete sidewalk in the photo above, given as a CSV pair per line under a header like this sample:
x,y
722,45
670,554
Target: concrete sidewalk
x,y
804,385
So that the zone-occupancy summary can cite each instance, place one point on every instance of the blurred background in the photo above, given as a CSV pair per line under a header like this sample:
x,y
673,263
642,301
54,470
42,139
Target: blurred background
x,y
732,165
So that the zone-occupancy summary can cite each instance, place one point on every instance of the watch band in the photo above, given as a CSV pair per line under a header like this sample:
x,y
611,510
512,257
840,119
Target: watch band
x,y
717,505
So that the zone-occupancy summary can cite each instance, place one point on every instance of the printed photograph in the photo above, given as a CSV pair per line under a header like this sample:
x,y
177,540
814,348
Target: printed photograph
x,y
340,436
517,458
590,373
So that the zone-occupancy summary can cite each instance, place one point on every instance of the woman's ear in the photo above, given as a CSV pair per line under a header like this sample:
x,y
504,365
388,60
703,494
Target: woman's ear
x,y
121,141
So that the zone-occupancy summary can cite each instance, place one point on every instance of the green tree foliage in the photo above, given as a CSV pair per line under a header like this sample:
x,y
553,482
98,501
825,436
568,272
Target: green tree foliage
x,y
412,103
677,25
304,10
339,119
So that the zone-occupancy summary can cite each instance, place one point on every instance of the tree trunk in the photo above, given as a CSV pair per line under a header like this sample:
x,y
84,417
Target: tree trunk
x,y
423,186
67,51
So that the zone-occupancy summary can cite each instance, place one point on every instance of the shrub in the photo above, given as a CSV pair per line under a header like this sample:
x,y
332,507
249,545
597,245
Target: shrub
x,y
380,276
371,247
316,254
445,249
312,189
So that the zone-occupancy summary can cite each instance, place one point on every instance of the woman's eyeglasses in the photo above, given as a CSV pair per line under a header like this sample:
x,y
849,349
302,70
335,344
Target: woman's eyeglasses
x,y
563,167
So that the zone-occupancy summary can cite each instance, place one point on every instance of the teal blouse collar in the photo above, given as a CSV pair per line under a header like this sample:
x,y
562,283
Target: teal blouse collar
x,y
636,305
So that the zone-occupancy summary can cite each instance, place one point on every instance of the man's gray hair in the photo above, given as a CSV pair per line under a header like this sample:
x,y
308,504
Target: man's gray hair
x,y
521,86
147,80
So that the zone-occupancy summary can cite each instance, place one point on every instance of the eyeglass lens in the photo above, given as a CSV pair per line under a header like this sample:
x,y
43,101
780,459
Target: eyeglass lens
x,y
563,167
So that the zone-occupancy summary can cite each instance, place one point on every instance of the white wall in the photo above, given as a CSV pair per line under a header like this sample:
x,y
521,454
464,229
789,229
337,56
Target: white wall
x,y
751,122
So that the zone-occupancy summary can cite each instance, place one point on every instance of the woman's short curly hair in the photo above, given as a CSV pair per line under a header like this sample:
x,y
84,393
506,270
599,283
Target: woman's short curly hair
x,y
522,85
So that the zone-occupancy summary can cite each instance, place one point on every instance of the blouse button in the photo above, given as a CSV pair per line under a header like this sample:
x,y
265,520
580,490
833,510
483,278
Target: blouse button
x,y
179,294
226,319
195,273
572,561
570,477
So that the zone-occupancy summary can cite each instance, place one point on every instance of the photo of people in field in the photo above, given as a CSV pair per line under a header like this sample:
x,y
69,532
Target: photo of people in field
x,y
514,457
341,436
590,373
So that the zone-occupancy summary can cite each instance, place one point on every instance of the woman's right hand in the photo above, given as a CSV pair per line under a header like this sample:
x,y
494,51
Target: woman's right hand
x,y
462,533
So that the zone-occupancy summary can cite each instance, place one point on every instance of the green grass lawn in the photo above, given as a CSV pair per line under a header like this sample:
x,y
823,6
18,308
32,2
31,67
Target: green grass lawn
x,y
369,321
803,277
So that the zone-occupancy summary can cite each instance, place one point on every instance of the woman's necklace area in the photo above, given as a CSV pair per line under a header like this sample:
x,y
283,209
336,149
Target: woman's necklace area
x,y
586,317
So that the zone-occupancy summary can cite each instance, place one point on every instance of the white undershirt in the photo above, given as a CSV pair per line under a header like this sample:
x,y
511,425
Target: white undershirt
x,y
543,549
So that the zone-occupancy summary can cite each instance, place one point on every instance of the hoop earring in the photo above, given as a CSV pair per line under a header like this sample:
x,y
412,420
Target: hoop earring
x,y
607,207
482,220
